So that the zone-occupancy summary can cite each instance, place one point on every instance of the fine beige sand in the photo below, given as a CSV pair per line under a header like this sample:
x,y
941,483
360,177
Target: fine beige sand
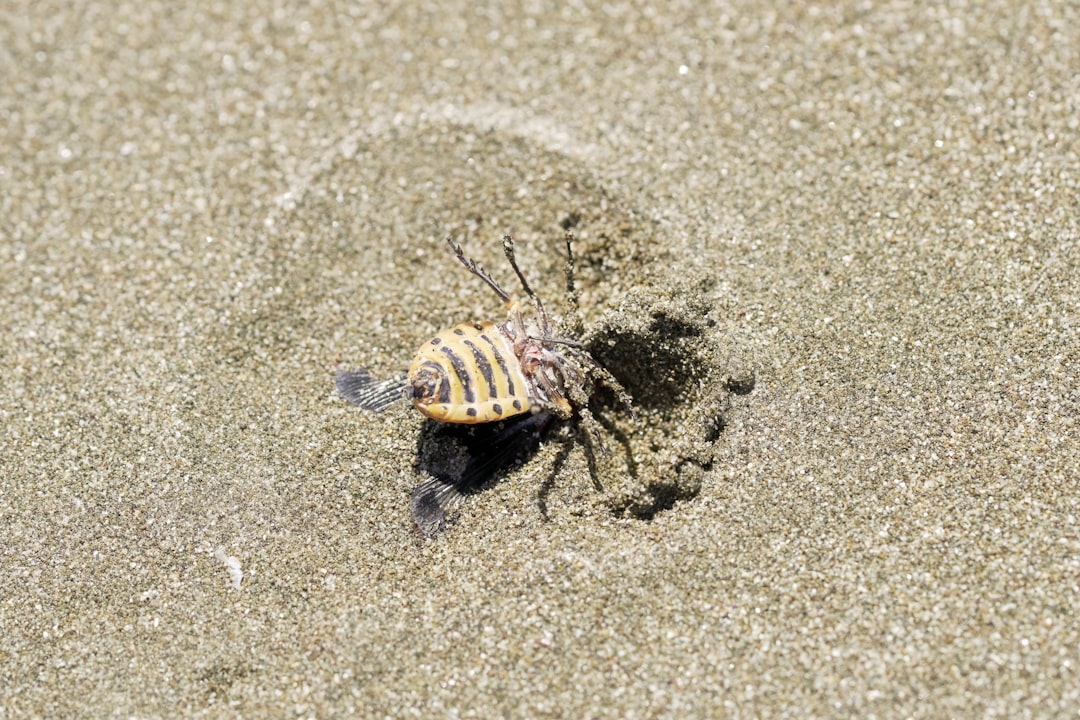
x,y
831,250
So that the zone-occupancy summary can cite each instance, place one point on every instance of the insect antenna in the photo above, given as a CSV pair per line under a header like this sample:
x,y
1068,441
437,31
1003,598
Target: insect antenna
x,y
545,324
577,327
478,270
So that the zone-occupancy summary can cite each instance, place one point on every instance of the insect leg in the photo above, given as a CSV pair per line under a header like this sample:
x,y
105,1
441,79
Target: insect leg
x,y
593,427
606,379
603,377
556,403
478,270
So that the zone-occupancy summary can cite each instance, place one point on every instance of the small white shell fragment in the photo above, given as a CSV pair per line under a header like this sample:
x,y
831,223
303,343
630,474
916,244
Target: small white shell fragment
x,y
232,565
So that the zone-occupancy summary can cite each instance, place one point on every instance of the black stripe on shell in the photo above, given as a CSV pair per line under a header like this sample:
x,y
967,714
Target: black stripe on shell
x,y
462,373
502,365
483,366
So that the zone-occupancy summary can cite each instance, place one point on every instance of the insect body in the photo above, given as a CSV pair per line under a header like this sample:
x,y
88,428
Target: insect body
x,y
479,372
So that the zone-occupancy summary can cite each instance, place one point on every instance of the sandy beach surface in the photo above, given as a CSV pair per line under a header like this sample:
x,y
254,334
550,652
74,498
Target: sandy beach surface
x,y
831,250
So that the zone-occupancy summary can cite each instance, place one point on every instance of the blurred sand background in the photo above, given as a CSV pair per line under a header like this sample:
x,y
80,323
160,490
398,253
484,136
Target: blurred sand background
x,y
868,207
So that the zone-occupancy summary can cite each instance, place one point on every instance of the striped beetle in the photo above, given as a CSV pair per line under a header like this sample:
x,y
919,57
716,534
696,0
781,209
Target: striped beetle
x,y
479,372
482,372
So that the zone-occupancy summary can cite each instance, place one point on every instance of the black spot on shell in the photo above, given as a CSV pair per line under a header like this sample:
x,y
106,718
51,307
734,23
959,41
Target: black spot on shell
x,y
497,408
517,404
459,331
478,326
436,341
471,412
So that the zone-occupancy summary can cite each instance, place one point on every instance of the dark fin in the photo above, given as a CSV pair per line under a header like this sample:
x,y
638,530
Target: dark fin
x,y
432,504
468,459
495,449
360,388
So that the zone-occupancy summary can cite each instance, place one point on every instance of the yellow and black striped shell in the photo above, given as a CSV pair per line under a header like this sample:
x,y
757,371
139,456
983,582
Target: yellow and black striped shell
x,y
469,374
